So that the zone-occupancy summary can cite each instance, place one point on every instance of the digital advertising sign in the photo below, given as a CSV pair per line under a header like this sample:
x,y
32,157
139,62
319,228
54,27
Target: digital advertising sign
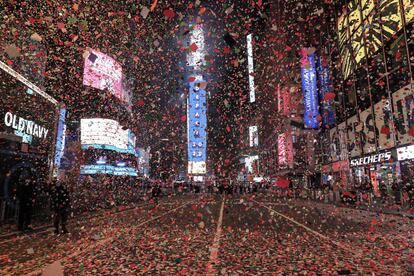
x,y
325,87
253,136
60,141
195,58
103,72
107,134
250,66
309,90
108,169
197,124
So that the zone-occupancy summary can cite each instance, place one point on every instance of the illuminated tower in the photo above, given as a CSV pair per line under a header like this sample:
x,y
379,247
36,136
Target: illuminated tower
x,y
196,105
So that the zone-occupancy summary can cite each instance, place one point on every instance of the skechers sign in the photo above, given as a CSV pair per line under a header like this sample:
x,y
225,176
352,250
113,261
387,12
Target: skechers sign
x,y
25,126
309,90
372,159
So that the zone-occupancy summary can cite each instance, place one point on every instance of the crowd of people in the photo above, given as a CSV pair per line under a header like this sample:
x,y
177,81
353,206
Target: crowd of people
x,y
65,197
28,190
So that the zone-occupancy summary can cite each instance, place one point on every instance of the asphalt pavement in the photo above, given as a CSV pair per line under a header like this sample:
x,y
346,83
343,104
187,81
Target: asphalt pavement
x,y
217,235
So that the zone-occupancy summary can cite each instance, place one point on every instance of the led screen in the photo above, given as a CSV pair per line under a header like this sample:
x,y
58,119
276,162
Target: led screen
x,y
253,136
108,169
195,57
325,89
103,72
60,140
250,66
309,90
106,134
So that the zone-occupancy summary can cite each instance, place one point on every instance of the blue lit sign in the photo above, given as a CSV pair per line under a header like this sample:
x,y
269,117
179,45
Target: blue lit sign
x,y
108,169
60,140
309,90
197,122
325,86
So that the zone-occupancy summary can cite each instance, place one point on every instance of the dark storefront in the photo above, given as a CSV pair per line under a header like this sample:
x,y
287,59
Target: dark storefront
x,y
27,135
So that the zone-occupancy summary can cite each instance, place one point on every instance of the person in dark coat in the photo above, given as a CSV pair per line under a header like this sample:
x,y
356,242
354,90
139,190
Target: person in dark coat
x,y
60,201
25,195
156,192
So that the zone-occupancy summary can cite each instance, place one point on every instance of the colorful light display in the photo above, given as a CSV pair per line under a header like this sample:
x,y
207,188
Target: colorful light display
x,y
309,90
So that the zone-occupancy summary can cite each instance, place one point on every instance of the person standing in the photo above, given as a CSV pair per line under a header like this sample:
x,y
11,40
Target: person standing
x,y
60,205
156,191
25,196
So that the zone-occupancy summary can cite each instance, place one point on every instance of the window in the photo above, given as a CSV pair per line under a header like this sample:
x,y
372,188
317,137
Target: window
x,y
362,91
350,99
379,89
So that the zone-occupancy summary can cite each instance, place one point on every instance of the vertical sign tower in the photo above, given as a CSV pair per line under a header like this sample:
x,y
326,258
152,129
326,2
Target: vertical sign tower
x,y
196,104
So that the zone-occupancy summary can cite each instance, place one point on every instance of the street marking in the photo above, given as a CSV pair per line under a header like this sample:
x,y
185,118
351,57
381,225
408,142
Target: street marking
x,y
216,242
103,241
306,228
345,248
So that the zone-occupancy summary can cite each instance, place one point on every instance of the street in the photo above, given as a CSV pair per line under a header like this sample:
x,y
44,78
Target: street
x,y
214,235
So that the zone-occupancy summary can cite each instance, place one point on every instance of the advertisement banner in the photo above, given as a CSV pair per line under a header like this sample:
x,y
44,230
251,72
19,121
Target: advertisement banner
x,y
384,124
250,67
108,169
354,142
367,131
309,90
403,101
106,134
103,72
60,141
405,153
289,148
197,124
286,101
325,93
282,150
253,136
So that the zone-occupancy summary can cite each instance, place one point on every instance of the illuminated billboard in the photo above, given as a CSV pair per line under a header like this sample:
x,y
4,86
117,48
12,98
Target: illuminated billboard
x,y
195,57
108,169
326,92
197,124
250,66
103,72
281,149
285,149
253,136
106,134
60,141
362,21
309,89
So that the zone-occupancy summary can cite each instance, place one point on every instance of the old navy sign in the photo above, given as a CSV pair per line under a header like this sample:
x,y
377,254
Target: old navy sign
x,y
25,126
372,159
309,90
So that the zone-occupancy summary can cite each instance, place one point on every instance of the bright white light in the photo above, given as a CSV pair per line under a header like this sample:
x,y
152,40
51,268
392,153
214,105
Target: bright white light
x,y
253,136
196,59
250,67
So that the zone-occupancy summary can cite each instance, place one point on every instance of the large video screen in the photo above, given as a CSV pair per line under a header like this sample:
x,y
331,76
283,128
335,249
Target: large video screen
x,y
309,90
103,72
106,134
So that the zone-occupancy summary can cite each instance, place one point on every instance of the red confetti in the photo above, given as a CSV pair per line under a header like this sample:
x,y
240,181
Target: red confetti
x,y
193,47
169,13
329,96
